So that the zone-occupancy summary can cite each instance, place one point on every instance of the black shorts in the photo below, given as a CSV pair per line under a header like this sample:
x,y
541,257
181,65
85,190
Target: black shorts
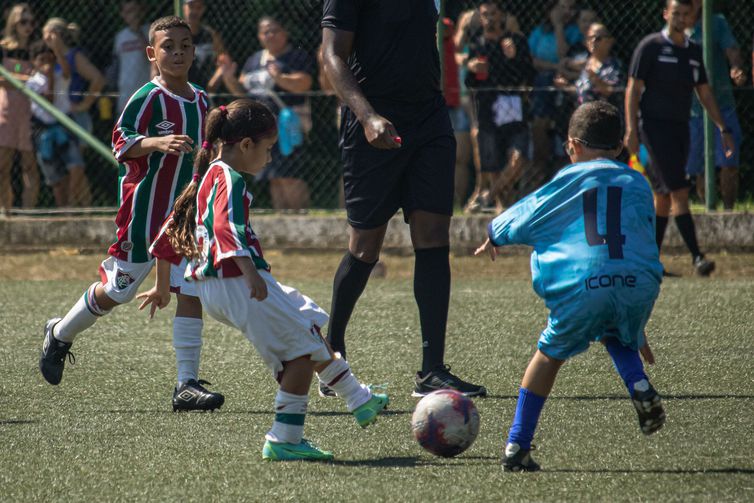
x,y
668,145
496,144
417,176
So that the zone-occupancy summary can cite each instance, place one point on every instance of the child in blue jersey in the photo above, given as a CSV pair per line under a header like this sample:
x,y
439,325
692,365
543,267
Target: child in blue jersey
x,y
596,265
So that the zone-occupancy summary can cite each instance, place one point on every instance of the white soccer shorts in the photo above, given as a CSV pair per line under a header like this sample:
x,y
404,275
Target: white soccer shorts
x,y
281,327
122,279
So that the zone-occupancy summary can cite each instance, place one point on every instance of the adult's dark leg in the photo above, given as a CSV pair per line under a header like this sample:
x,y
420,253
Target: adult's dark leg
x,y
351,278
430,238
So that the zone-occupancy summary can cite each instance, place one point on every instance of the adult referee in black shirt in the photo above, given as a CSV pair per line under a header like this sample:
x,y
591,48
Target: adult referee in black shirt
x,y
398,151
666,68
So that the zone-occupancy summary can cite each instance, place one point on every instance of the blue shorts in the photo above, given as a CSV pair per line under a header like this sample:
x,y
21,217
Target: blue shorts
x,y
695,164
595,314
459,119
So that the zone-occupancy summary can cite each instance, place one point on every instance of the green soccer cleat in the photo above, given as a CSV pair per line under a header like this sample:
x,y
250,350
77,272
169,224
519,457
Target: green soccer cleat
x,y
303,451
366,414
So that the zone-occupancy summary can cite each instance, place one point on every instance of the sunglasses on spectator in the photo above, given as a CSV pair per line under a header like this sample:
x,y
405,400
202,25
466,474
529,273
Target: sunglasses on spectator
x,y
597,38
594,146
25,22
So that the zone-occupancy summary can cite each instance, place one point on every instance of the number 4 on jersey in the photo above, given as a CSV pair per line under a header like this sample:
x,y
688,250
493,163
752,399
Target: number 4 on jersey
x,y
613,237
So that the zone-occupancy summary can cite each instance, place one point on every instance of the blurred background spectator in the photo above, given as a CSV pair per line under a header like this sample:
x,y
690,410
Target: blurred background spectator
x,y
549,44
15,110
77,84
726,72
602,77
56,148
130,68
287,72
208,46
500,66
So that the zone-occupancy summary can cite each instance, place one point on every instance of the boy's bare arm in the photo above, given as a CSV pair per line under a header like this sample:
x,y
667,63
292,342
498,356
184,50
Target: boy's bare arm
x,y
174,144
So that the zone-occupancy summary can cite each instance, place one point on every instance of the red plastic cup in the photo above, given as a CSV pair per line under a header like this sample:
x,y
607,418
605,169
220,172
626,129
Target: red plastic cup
x,y
482,75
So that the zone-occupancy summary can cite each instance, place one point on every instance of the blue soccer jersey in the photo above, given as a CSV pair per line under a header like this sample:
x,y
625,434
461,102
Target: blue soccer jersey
x,y
595,261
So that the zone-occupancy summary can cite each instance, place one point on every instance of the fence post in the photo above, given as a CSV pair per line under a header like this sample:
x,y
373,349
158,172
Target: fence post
x,y
59,116
177,8
709,131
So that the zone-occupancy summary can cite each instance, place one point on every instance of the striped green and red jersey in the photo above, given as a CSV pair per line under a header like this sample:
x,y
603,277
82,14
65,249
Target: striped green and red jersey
x,y
223,229
148,185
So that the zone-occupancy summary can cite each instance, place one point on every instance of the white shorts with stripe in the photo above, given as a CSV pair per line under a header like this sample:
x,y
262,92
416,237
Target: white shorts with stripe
x,y
122,279
281,327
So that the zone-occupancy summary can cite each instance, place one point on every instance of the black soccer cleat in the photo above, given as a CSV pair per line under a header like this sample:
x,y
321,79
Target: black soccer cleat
x,y
703,266
516,459
194,396
326,391
441,378
53,354
649,409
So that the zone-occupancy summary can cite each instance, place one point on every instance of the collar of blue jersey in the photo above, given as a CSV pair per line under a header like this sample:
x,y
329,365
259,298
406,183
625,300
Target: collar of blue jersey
x,y
666,35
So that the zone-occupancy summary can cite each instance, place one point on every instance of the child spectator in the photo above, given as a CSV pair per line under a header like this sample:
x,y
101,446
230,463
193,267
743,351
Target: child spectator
x,y
15,112
57,149
131,66
77,84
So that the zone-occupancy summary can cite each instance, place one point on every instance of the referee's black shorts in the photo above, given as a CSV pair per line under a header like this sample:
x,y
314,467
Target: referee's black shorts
x,y
417,176
668,145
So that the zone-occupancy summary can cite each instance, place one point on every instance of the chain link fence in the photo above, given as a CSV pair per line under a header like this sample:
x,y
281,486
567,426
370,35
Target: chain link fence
x,y
231,60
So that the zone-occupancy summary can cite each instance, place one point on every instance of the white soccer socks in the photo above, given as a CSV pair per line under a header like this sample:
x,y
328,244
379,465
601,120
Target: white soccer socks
x,y
290,413
82,315
338,377
187,342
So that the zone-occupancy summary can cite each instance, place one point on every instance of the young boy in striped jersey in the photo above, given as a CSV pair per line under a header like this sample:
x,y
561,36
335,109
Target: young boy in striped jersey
x,y
154,140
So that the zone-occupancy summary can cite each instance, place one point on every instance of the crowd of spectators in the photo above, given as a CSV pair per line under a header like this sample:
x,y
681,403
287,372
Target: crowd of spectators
x,y
509,94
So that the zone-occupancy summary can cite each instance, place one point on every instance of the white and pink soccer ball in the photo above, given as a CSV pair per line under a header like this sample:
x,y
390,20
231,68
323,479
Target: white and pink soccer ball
x,y
445,423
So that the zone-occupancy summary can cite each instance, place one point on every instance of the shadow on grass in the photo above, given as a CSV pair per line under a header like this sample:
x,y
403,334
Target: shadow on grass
x,y
681,471
415,461
266,412
625,397
4,422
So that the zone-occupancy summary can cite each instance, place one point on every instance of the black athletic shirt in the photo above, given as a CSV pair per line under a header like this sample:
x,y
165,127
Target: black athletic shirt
x,y
670,74
394,55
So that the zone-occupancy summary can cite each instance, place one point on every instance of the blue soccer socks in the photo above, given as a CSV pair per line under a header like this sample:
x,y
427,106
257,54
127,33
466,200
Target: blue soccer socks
x,y
627,362
528,409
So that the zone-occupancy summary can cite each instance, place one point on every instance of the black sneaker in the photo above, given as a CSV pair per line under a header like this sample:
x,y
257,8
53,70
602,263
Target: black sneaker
x,y
703,266
52,356
649,408
326,391
194,396
441,378
516,459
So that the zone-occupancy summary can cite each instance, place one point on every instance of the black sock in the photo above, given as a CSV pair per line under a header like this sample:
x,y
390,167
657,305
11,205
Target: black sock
x,y
432,293
688,233
350,280
661,223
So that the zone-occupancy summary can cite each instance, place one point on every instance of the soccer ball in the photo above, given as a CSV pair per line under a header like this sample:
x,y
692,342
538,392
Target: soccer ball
x,y
445,423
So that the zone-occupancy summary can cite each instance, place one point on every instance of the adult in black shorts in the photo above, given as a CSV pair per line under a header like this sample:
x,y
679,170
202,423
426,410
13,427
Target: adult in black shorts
x,y
398,152
499,61
665,69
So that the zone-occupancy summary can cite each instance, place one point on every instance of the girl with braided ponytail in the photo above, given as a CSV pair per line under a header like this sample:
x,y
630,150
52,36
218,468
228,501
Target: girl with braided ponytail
x,y
210,226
